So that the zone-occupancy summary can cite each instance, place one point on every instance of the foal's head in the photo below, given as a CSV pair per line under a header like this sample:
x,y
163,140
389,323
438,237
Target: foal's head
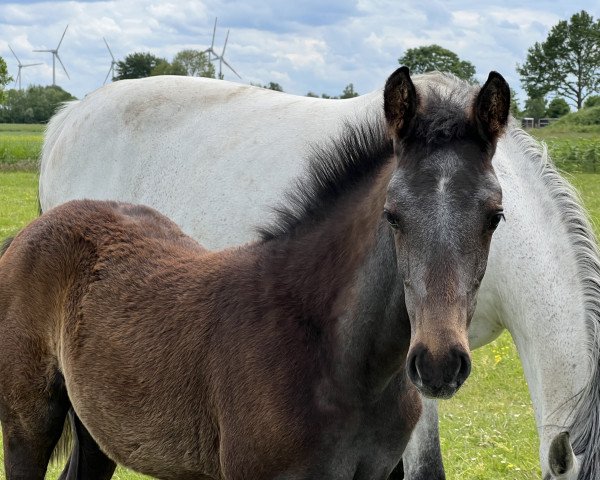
x,y
443,204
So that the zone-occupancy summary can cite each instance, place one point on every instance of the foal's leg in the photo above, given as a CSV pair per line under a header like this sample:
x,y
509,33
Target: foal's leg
x,y
86,461
31,427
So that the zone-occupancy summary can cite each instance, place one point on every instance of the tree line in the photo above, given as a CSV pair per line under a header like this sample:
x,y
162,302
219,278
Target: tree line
x,y
564,68
195,64
35,104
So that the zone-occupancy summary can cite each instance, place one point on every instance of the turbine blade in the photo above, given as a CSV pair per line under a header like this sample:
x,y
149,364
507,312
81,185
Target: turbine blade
x,y
109,50
63,36
50,51
62,65
214,31
106,78
212,55
230,68
225,46
15,55
31,65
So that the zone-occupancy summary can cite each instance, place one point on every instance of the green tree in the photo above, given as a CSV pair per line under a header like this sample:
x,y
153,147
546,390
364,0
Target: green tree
x,y
5,78
269,86
274,86
567,63
349,92
535,107
433,57
166,68
591,101
312,94
137,65
558,107
514,104
35,104
195,63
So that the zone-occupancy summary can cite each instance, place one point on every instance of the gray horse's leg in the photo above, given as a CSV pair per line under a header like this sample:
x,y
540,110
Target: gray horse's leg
x,y
423,457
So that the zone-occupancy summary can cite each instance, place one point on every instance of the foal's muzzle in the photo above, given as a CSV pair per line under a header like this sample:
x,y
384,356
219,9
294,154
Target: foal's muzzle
x,y
438,376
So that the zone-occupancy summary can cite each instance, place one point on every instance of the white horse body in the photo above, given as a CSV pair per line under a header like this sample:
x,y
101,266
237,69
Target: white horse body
x,y
213,159
214,156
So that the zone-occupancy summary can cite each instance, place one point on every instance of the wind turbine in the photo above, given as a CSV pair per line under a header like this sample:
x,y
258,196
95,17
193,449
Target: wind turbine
x,y
55,56
21,66
223,61
210,50
113,62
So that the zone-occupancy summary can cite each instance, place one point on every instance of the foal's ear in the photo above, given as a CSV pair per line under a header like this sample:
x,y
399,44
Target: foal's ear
x,y
399,101
491,107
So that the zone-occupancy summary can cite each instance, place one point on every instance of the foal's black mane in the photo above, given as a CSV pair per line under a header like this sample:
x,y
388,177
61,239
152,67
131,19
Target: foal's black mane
x,y
360,151
333,170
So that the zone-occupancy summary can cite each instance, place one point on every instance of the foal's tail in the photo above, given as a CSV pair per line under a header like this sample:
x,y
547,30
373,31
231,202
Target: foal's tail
x,y
65,444
86,459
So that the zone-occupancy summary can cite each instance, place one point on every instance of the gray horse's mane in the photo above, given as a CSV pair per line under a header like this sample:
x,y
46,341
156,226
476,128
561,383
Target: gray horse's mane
x,y
585,428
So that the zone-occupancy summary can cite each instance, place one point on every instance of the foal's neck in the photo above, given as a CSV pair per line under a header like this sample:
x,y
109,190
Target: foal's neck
x,y
341,273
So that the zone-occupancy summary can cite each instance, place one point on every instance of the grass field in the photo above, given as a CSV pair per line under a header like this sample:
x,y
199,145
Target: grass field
x,y
488,431
575,148
20,146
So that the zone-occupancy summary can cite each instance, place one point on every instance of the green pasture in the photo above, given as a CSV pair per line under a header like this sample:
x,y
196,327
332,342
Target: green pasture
x,y
575,146
488,431
20,146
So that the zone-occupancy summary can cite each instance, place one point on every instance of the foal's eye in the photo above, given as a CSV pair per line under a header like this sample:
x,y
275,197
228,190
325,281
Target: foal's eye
x,y
495,220
392,219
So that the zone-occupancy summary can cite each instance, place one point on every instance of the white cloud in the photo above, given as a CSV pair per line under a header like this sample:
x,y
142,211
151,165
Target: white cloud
x,y
315,45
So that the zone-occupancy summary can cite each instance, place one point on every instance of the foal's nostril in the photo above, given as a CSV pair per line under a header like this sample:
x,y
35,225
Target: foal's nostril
x,y
463,368
438,376
413,371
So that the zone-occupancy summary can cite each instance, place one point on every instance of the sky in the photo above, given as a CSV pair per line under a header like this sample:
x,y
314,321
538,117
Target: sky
x,y
314,45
